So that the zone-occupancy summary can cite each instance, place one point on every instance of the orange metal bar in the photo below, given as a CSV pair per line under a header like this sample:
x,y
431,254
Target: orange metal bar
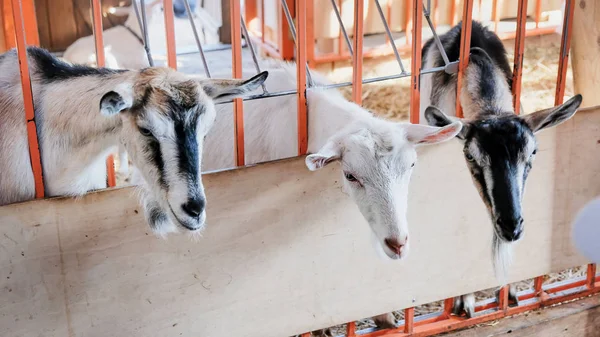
x,y
503,305
448,304
436,13
453,7
34,148
409,318
170,33
519,54
351,329
530,32
415,73
495,15
537,284
565,46
286,44
591,275
236,65
251,10
100,61
310,33
28,19
408,21
388,18
301,21
340,49
358,51
465,47
538,12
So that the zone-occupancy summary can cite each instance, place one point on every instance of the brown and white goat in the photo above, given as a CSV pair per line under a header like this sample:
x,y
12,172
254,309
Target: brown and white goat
x,y
82,113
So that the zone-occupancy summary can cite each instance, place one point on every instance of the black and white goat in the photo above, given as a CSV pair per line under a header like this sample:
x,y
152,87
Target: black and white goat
x,y
499,146
82,113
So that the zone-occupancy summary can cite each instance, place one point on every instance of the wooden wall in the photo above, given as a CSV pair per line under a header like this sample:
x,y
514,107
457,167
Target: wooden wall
x,y
61,22
285,250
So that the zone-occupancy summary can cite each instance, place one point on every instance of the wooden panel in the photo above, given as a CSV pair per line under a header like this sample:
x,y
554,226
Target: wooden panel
x,y
585,44
575,319
285,251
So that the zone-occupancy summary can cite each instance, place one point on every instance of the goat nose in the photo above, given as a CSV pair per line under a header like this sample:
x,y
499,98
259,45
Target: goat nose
x,y
194,207
394,245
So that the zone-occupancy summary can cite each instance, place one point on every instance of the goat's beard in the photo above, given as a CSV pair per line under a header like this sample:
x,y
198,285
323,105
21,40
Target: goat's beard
x,y
501,258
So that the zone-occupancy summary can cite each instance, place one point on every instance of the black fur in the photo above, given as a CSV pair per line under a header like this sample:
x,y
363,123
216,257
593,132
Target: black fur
x,y
187,142
155,154
481,37
156,216
487,82
52,69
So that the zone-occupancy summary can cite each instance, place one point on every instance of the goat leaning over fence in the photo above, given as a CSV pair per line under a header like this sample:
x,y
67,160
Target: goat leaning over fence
x,y
82,113
499,146
376,156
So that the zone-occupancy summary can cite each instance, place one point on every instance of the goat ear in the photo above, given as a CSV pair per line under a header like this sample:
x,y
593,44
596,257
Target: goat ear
x,y
327,154
435,117
112,103
425,135
542,119
221,90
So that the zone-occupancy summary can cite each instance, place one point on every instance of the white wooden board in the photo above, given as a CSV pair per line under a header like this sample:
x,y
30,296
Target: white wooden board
x,y
285,251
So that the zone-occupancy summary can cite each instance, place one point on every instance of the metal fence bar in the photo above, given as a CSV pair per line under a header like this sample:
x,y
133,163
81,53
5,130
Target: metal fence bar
x,y
538,13
565,46
409,318
111,179
34,148
417,30
495,15
252,51
286,47
465,47
302,74
170,33
342,28
519,54
351,329
436,38
358,51
591,275
288,16
236,60
389,35
196,37
407,21
144,28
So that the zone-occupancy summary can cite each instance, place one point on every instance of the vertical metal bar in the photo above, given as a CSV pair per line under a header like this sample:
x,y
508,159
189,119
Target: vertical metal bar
x,y
538,13
342,28
351,329
591,275
565,46
448,304
34,149
286,46
388,16
465,47
144,24
358,52
301,73
250,10
453,7
288,15
170,33
503,304
390,37
537,284
415,75
32,35
253,52
519,54
340,49
409,314
436,13
196,37
262,21
100,62
236,60
436,38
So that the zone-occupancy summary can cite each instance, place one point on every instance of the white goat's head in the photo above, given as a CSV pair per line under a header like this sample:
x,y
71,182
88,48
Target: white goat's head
x,y
166,116
377,158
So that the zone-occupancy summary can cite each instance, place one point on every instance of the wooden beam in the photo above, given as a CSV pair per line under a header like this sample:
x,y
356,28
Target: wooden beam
x,y
585,42
77,266
29,21
225,29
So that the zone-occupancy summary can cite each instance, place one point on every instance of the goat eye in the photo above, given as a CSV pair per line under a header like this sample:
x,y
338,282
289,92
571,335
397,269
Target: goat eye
x,y
145,132
534,152
469,157
350,177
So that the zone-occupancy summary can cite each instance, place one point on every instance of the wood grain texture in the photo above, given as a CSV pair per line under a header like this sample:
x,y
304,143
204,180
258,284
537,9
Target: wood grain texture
x,y
585,47
285,250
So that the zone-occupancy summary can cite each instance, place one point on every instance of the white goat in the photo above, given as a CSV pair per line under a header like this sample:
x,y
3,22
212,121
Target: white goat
x,y
376,156
499,146
82,113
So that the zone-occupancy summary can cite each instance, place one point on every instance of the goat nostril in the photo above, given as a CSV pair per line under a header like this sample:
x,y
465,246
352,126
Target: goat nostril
x,y
499,222
394,245
194,207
